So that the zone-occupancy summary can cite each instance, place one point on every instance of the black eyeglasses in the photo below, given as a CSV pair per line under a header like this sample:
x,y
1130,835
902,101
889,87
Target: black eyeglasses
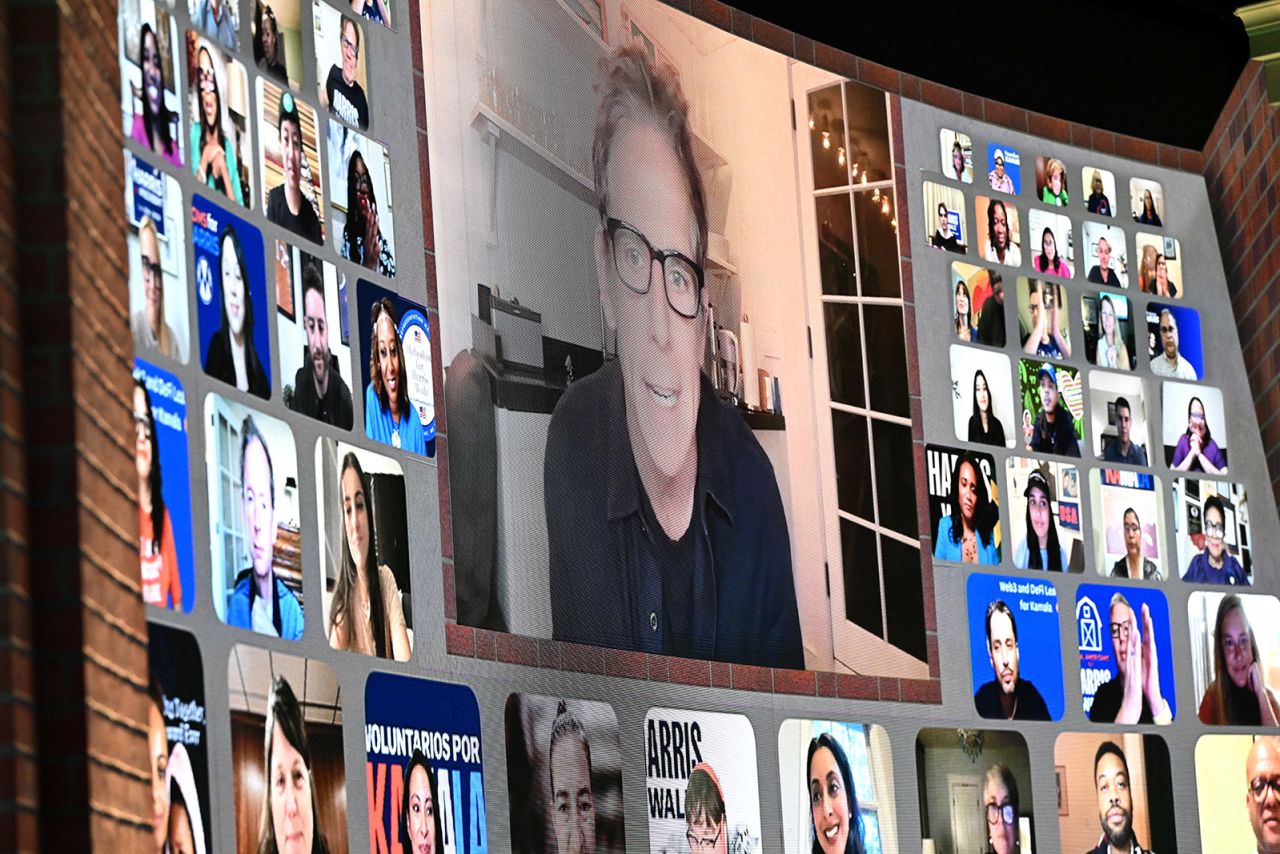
x,y
1259,786
703,843
150,268
633,257
1001,812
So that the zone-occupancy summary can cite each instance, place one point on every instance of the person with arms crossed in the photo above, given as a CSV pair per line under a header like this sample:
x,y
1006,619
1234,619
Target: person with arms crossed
x,y
1101,273
1132,695
1123,449
1000,248
1045,337
344,93
1216,564
1007,695
1262,792
665,525
1115,802
260,601
150,330
318,388
286,206
1134,564
1000,807
1238,694
1170,363
1054,431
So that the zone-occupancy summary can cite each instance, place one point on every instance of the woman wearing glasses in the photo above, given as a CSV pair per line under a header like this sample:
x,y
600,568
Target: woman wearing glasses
x,y
362,237
1216,564
342,91
1238,694
212,155
1196,450
161,584
1000,807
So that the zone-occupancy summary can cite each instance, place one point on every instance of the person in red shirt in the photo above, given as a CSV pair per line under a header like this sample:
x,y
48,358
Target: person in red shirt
x,y
157,554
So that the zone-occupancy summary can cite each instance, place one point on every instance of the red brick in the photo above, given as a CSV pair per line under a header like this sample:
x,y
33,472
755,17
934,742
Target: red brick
x,y
549,654
890,688
415,36
659,668
931,650
943,97
854,686
1136,149
517,649
448,589
1104,141
442,483
974,105
581,658
486,644
774,37
1168,156
794,682
880,76
1007,115
428,217
687,671
459,640
741,23
626,664
804,49
834,60
712,11
748,677
922,691
910,86
826,684
1053,128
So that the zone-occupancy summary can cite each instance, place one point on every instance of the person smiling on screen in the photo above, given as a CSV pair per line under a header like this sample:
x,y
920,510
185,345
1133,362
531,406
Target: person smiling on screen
x,y
1238,694
389,416
967,533
833,803
318,388
344,93
286,205
1055,183
1196,449
231,355
1216,564
154,126
652,484
998,178
1000,248
150,330
1041,549
1101,273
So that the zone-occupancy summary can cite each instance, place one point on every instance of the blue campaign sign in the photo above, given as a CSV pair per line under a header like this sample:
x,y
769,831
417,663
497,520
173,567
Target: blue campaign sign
x,y
406,716
1033,603
1012,166
147,198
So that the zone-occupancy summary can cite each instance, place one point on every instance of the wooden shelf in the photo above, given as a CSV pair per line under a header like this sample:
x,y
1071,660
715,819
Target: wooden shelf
x,y
494,128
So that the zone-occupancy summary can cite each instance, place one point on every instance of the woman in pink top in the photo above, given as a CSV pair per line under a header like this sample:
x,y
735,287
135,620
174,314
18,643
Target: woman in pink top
x,y
153,128
1049,261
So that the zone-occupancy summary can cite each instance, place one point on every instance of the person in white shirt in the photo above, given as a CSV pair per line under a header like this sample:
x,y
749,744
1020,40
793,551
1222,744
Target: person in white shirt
x,y
1170,363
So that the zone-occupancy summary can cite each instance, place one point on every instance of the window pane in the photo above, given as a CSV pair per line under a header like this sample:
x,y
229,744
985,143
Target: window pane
x,y
871,831
903,596
853,464
868,132
826,138
861,577
878,244
895,477
835,245
887,360
844,353
860,761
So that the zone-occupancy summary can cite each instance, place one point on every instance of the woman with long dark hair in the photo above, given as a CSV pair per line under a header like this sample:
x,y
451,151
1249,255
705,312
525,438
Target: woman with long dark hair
x,y
231,355
1049,261
984,427
366,614
154,126
213,157
964,328
1238,694
1149,215
362,237
1041,549
967,534
268,45
161,584
290,814
419,807
833,803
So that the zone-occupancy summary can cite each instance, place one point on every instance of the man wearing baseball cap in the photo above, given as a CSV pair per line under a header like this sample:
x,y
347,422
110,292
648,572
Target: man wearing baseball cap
x,y
1055,429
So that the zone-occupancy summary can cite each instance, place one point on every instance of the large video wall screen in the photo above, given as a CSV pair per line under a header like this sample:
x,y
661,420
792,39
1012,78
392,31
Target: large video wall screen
x,y
748,456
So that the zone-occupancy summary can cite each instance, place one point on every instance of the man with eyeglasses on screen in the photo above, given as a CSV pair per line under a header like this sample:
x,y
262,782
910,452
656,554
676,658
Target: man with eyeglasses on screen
x,y
1169,362
150,330
346,96
665,526
1132,695
1262,795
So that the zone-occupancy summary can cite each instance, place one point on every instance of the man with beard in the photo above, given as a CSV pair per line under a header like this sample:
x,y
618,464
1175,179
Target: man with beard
x,y
1115,802
318,389
1008,695
1262,797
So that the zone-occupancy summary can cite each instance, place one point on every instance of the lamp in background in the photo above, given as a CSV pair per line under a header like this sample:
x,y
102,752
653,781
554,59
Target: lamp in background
x,y
971,742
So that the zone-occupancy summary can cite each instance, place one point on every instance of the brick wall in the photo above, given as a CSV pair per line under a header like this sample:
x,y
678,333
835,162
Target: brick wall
x,y
1242,167
86,630
18,777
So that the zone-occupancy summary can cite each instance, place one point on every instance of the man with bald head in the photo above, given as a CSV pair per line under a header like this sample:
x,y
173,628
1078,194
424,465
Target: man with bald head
x,y
1262,797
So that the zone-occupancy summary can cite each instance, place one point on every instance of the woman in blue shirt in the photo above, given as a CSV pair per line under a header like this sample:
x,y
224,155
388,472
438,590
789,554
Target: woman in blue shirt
x,y
389,415
967,534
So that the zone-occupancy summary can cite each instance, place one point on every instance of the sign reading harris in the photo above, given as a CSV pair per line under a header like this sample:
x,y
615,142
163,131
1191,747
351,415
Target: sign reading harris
x,y
1123,635
422,741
